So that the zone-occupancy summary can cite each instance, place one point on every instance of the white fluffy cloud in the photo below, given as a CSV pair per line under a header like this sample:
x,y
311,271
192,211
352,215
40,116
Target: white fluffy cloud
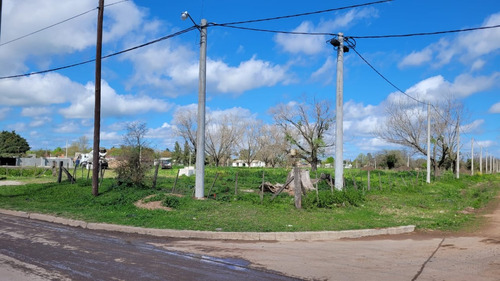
x,y
34,111
4,112
495,108
38,90
174,71
22,17
417,58
250,74
361,120
437,87
311,45
472,127
112,104
324,73
468,46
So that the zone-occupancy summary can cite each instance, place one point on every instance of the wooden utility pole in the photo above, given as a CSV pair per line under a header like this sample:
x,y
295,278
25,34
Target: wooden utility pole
x,y
0,19
97,106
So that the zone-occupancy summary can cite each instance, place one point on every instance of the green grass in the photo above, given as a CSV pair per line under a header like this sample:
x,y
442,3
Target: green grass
x,y
398,198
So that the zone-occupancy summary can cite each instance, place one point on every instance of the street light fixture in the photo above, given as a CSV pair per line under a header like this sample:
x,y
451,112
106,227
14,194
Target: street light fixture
x,y
202,86
185,15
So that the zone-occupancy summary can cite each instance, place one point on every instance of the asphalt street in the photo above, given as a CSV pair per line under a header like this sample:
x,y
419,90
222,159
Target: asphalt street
x,y
37,250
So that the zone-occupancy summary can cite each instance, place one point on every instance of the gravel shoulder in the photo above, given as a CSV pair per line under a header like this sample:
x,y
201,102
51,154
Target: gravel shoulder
x,y
421,255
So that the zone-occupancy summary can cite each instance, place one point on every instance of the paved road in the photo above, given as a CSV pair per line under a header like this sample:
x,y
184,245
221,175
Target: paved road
x,y
34,250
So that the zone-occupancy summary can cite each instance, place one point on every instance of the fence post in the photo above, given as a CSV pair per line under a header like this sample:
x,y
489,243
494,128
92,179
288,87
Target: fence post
x,y
297,189
175,182
262,188
59,175
369,187
155,177
236,183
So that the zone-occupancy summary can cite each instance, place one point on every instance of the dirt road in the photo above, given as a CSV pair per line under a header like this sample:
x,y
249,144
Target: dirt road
x,y
414,256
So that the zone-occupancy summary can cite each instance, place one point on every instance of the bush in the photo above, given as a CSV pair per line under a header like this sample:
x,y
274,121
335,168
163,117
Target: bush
x,y
171,202
335,199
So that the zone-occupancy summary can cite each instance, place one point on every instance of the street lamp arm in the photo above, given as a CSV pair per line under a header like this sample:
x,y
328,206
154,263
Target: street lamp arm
x,y
185,15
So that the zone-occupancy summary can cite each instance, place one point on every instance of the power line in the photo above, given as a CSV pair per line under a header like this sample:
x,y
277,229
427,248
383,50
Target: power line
x,y
305,14
104,57
385,78
58,23
359,37
275,31
425,33
393,85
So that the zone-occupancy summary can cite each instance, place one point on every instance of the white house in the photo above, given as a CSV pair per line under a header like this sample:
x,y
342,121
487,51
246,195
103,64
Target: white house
x,y
254,164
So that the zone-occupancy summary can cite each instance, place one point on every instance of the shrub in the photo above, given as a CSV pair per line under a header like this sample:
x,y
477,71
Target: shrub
x,y
171,202
330,200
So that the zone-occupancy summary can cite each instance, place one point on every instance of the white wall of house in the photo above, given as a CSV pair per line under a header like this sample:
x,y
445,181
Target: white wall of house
x,y
254,164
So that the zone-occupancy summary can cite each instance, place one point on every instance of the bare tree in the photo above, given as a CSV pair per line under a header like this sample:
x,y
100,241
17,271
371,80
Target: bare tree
x,y
136,158
185,122
273,145
306,126
249,142
406,125
83,144
222,135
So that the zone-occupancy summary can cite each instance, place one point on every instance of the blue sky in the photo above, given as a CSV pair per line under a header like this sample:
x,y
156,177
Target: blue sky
x,y
248,72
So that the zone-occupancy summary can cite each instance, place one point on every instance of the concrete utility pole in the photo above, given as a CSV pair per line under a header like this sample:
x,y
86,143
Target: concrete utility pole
x,y
339,122
200,133
428,143
202,89
97,106
472,157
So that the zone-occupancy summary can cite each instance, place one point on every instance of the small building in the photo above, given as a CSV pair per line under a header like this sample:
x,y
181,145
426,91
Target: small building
x,y
253,164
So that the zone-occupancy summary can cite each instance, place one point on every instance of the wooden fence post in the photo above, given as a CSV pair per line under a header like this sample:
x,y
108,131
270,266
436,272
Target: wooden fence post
x,y
368,180
236,183
262,188
297,189
175,182
59,175
155,176
210,190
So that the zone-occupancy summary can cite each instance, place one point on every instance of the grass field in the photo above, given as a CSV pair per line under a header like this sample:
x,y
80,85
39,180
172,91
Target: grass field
x,y
393,199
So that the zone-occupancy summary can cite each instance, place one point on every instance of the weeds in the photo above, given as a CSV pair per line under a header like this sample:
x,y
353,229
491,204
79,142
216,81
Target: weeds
x,y
395,198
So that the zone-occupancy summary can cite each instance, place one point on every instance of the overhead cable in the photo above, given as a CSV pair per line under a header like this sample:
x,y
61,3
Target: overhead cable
x,y
58,23
104,57
425,33
385,78
275,31
392,84
305,14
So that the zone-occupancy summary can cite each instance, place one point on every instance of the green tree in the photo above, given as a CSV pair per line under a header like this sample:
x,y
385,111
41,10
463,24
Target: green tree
x,y
58,152
329,160
188,156
177,154
12,144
